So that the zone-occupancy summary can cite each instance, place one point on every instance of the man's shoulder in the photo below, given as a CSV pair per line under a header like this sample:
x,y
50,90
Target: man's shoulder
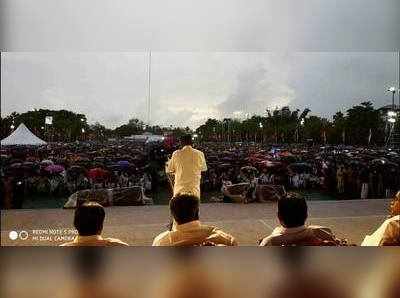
x,y
199,152
395,220
319,229
311,234
162,239
392,224
115,242
102,242
220,237
187,149
68,244
267,240
196,151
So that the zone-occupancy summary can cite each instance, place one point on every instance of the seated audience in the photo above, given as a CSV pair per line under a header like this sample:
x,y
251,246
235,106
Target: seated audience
x,y
188,230
89,219
389,232
292,215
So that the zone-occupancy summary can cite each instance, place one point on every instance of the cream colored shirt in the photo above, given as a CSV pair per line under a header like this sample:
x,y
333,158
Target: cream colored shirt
x,y
95,240
289,236
388,232
194,233
187,164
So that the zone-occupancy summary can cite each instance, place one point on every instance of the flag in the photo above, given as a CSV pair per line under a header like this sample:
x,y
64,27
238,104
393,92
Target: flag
x,y
369,136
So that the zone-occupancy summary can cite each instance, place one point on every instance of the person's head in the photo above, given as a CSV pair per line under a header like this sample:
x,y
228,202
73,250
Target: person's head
x,y
292,210
184,208
186,140
89,218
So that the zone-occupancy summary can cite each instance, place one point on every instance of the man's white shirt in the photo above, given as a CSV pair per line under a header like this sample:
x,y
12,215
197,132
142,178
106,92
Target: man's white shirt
x,y
187,164
388,231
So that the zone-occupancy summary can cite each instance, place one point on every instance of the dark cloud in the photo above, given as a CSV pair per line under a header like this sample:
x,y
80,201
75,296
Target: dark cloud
x,y
256,89
187,88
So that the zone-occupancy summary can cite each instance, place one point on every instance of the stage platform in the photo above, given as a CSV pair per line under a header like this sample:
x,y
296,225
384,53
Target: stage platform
x,y
351,219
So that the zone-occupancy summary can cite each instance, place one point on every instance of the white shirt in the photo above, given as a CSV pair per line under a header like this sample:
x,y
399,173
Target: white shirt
x,y
193,233
94,240
281,235
187,164
387,232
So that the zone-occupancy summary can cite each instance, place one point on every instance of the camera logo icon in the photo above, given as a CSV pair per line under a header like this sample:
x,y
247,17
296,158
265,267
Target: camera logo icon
x,y
23,235
14,235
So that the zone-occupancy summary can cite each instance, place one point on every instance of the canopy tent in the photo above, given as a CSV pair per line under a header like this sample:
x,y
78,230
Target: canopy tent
x,y
22,136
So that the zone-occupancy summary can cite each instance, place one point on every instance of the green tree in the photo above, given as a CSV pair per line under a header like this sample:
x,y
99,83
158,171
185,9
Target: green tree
x,y
315,127
134,126
360,120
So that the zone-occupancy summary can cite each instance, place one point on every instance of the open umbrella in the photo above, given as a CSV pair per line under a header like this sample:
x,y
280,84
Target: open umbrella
x,y
74,172
114,167
76,168
248,170
29,164
97,173
224,165
270,164
47,162
383,164
16,160
123,163
21,169
300,167
54,169
16,165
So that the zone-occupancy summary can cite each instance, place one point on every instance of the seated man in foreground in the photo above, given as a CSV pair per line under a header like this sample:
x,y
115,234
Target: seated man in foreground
x,y
88,220
188,230
292,215
388,234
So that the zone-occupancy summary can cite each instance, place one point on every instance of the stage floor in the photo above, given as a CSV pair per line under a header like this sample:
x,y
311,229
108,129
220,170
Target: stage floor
x,y
350,219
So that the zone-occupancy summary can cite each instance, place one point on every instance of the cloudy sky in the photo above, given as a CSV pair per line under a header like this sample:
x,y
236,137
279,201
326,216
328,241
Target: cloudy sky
x,y
189,87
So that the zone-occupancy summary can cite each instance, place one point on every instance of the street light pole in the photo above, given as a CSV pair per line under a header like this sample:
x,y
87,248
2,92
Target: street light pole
x,y
393,91
393,99
398,69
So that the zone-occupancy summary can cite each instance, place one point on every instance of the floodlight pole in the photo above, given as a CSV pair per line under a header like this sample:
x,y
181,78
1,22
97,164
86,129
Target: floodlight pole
x,y
149,91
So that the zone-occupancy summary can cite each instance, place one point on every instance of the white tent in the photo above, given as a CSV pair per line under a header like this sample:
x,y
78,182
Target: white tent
x,y
22,136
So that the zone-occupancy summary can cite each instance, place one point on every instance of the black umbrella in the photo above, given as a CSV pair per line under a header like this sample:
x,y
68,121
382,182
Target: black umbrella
x,y
249,170
300,167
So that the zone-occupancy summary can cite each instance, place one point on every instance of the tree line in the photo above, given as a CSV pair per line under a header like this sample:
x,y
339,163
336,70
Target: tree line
x,y
360,125
68,126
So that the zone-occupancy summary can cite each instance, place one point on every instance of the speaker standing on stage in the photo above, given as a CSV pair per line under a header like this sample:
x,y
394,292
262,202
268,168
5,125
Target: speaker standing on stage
x,y
186,165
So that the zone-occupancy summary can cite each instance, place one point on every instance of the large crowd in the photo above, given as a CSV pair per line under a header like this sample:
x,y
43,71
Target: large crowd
x,y
346,171
236,172
59,170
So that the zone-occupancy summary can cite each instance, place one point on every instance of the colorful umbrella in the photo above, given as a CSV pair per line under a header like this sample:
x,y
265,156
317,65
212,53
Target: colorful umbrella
x,y
97,173
47,162
54,169
123,163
